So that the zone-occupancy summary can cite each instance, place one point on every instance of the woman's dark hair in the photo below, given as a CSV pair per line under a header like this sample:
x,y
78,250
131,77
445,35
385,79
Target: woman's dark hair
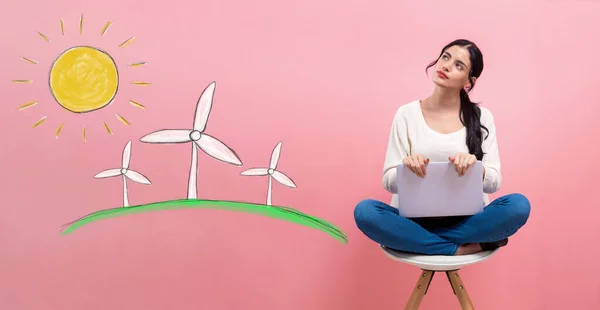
x,y
469,111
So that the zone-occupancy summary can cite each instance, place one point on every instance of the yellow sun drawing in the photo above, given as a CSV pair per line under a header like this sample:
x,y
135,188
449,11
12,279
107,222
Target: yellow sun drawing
x,y
83,79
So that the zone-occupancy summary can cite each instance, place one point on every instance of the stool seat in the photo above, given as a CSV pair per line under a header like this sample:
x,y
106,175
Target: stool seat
x,y
430,264
437,262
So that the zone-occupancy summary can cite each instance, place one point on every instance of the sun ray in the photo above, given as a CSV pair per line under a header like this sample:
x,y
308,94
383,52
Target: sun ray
x,y
108,129
137,105
127,42
22,81
35,62
58,130
137,64
141,83
62,26
124,121
83,134
81,24
44,37
28,105
43,119
105,28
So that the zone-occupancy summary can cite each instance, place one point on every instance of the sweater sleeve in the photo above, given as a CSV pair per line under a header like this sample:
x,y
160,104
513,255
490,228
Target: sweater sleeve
x,y
396,151
491,159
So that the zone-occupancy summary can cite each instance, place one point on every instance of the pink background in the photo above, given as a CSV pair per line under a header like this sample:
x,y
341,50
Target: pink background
x,y
324,77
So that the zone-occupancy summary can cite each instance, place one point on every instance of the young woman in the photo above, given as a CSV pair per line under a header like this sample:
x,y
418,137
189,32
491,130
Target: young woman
x,y
446,126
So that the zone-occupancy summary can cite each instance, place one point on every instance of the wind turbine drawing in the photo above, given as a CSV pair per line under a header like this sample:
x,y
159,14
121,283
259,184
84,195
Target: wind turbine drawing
x,y
216,149
271,172
125,172
198,138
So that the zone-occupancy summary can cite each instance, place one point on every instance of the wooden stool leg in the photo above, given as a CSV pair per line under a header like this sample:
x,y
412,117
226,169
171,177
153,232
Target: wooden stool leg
x,y
459,290
420,290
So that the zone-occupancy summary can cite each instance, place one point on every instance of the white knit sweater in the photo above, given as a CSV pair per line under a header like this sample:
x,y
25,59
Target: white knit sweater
x,y
410,135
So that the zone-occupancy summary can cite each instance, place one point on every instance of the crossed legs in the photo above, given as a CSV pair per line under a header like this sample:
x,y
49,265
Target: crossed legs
x,y
381,222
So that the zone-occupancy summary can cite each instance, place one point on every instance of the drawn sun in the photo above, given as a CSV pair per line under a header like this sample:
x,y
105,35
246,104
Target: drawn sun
x,y
83,79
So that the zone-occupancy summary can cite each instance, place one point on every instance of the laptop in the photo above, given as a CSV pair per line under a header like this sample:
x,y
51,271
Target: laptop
x,y
441,192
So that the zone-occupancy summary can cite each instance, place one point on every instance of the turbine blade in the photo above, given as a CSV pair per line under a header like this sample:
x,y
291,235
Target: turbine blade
x,y
168,136
203,107
275,156
137,177
127,155
283,179
108,173
218,150
255,171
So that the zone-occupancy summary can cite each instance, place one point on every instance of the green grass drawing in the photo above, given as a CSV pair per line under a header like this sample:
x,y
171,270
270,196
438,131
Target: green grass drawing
x,y
278,212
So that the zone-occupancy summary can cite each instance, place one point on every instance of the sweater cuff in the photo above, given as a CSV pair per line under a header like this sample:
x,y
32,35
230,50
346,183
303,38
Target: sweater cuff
x,y
490,183
390,181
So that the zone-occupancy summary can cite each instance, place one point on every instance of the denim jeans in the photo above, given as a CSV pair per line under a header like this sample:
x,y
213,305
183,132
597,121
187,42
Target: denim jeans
x,y
500,219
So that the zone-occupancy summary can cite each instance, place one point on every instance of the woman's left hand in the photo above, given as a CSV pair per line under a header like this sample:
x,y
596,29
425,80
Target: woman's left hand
x,y
462,162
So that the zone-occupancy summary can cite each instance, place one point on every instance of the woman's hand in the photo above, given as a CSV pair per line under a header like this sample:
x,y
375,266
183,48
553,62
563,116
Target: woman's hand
x,y
416,164
462,162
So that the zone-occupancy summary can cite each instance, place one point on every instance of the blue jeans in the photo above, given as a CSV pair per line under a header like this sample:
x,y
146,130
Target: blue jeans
x,y
441,236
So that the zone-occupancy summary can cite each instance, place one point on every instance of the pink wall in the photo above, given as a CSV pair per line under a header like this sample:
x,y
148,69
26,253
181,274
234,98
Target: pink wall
x,y
359,62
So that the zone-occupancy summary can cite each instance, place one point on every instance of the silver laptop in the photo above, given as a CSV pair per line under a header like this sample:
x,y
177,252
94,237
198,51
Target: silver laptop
x,y
441,192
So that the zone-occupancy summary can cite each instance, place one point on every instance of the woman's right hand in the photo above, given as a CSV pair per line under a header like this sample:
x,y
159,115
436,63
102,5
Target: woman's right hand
x,y
417,164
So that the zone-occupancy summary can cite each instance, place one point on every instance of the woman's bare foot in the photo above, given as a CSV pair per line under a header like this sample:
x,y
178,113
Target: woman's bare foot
x,y
469,248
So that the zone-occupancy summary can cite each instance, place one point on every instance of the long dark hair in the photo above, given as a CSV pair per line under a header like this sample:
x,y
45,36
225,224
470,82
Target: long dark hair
x,y
469,111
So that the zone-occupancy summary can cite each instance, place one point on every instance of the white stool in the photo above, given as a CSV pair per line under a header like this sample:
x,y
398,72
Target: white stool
x,y
430,264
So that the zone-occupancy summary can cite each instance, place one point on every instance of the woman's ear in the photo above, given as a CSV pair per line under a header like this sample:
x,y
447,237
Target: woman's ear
x,y
467,86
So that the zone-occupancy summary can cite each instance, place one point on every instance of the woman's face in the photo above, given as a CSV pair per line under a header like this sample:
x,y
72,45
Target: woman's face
x,y
452,68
